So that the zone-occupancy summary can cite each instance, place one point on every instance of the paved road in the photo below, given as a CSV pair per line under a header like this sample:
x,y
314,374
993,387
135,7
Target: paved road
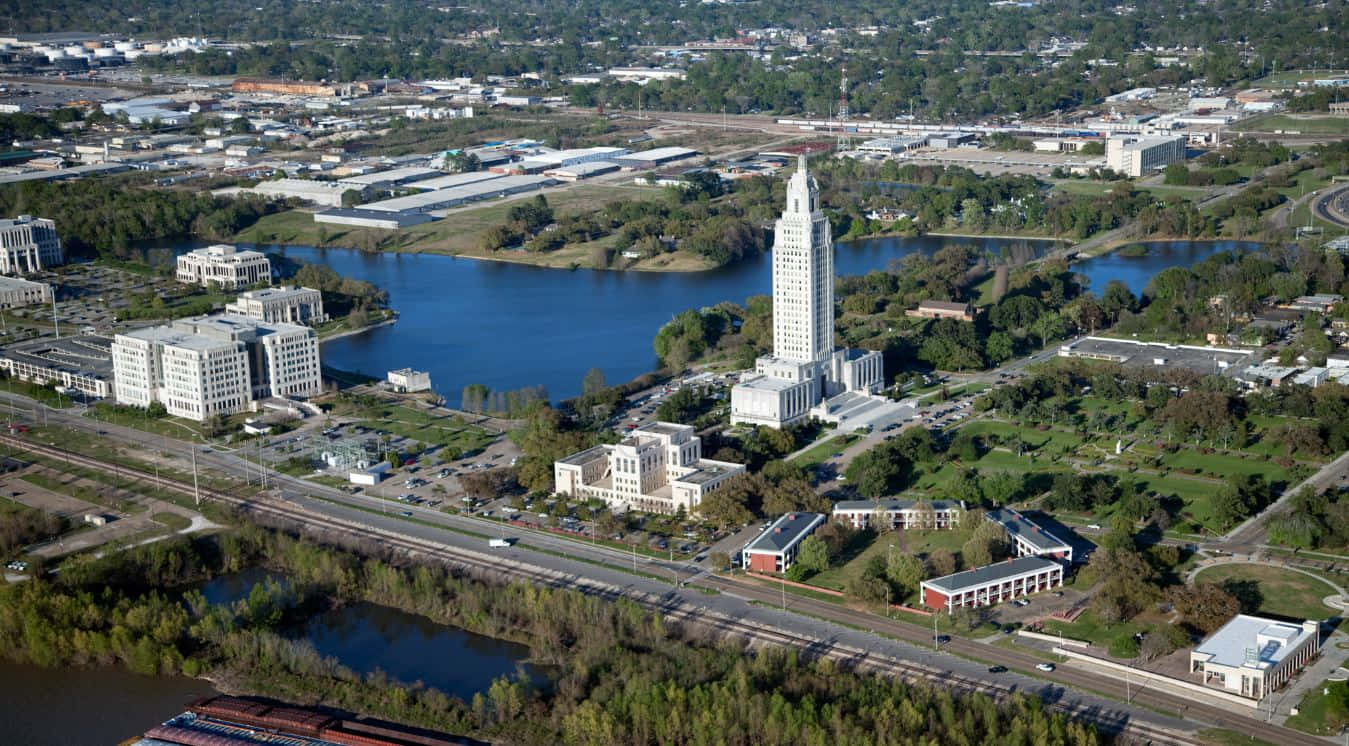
x,y
736,599
1251,533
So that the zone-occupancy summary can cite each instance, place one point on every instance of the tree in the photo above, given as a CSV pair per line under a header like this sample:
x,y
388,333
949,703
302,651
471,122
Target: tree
x,y
906,571
813,556
1204,606
725,508
593,383
943,562
987,542
877,472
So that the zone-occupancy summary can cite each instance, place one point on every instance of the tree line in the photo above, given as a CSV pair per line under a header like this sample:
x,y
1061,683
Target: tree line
x,y
617,674
104,217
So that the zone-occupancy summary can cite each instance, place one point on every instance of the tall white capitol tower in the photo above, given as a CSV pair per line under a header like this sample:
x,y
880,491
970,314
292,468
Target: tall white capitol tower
x,y
805,371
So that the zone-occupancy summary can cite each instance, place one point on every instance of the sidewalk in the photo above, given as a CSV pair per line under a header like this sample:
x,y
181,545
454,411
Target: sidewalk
x,y
1312,677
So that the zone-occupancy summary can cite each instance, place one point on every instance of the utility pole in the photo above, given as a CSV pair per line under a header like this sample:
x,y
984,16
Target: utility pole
x,y
934,630
196,488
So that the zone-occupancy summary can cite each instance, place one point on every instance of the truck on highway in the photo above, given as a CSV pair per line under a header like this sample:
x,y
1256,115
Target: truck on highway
x,y
499,543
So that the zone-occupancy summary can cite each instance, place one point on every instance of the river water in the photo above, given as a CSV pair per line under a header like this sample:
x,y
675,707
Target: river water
x,y
103,706
510,325
94,707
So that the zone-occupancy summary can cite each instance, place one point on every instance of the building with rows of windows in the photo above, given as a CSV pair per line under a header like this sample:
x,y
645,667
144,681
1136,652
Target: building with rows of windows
x,y
211,365
225,267
805,369
657,468
29,244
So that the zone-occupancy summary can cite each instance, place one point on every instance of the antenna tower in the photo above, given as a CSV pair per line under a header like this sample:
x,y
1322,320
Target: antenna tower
x,y
844,142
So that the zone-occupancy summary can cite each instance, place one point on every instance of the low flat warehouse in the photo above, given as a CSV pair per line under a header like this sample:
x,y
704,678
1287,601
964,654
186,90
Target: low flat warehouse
x,y
443,199
83,363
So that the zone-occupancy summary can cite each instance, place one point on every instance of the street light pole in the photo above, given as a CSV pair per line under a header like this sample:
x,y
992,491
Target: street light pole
x,y
196,489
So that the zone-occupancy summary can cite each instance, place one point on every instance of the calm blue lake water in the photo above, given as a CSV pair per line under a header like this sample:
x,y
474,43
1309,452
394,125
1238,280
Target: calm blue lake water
x,y
510,325
406,647
1138,271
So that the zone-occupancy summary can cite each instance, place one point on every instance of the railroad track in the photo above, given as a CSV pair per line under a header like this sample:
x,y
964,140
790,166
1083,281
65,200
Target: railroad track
x,y
681,611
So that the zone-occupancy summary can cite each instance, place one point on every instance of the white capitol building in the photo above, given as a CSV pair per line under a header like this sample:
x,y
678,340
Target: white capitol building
x,y
806,375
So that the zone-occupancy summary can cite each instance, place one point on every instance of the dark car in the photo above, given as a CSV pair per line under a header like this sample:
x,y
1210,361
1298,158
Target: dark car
x,y
997,669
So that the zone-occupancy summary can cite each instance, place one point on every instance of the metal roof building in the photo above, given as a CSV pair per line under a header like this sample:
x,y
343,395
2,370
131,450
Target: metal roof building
x,y
775,549
991,584
1030,538
441,199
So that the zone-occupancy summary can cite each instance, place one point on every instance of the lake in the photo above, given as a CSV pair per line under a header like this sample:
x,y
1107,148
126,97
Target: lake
x,y
406,647
1138,271
512,325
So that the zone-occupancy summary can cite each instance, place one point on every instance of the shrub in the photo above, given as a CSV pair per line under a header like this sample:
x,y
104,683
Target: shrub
x,y
1124,646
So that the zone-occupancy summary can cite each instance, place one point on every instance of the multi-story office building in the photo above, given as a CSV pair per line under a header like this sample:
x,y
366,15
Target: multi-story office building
x,y
17,293
1136,156
805,368
225,266
28,244
212,365
280,305
658,468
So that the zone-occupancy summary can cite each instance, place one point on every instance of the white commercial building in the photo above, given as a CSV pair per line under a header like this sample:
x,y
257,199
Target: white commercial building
x,y
805,369
285,305
211,365
225,266
658,468
327,193
1252,656
28,244
409,381
1135,156
17,293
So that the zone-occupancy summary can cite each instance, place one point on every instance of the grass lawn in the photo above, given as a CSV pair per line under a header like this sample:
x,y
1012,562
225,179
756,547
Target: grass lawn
x,y
912,542
447,430
173,427
461,231
820,451
1224,737
1307,124
1321,714
1281,592
1090,627
173,521
1173,190
1082,186
1223,465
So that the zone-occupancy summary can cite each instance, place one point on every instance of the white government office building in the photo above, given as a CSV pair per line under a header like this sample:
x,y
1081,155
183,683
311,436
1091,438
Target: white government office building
x,y
208,365
29,244
1253,656
657,468
805,369
1136,156
226,266
280,305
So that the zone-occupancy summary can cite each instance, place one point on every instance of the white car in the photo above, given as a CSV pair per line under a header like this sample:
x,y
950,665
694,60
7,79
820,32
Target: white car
x,y
1045,666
